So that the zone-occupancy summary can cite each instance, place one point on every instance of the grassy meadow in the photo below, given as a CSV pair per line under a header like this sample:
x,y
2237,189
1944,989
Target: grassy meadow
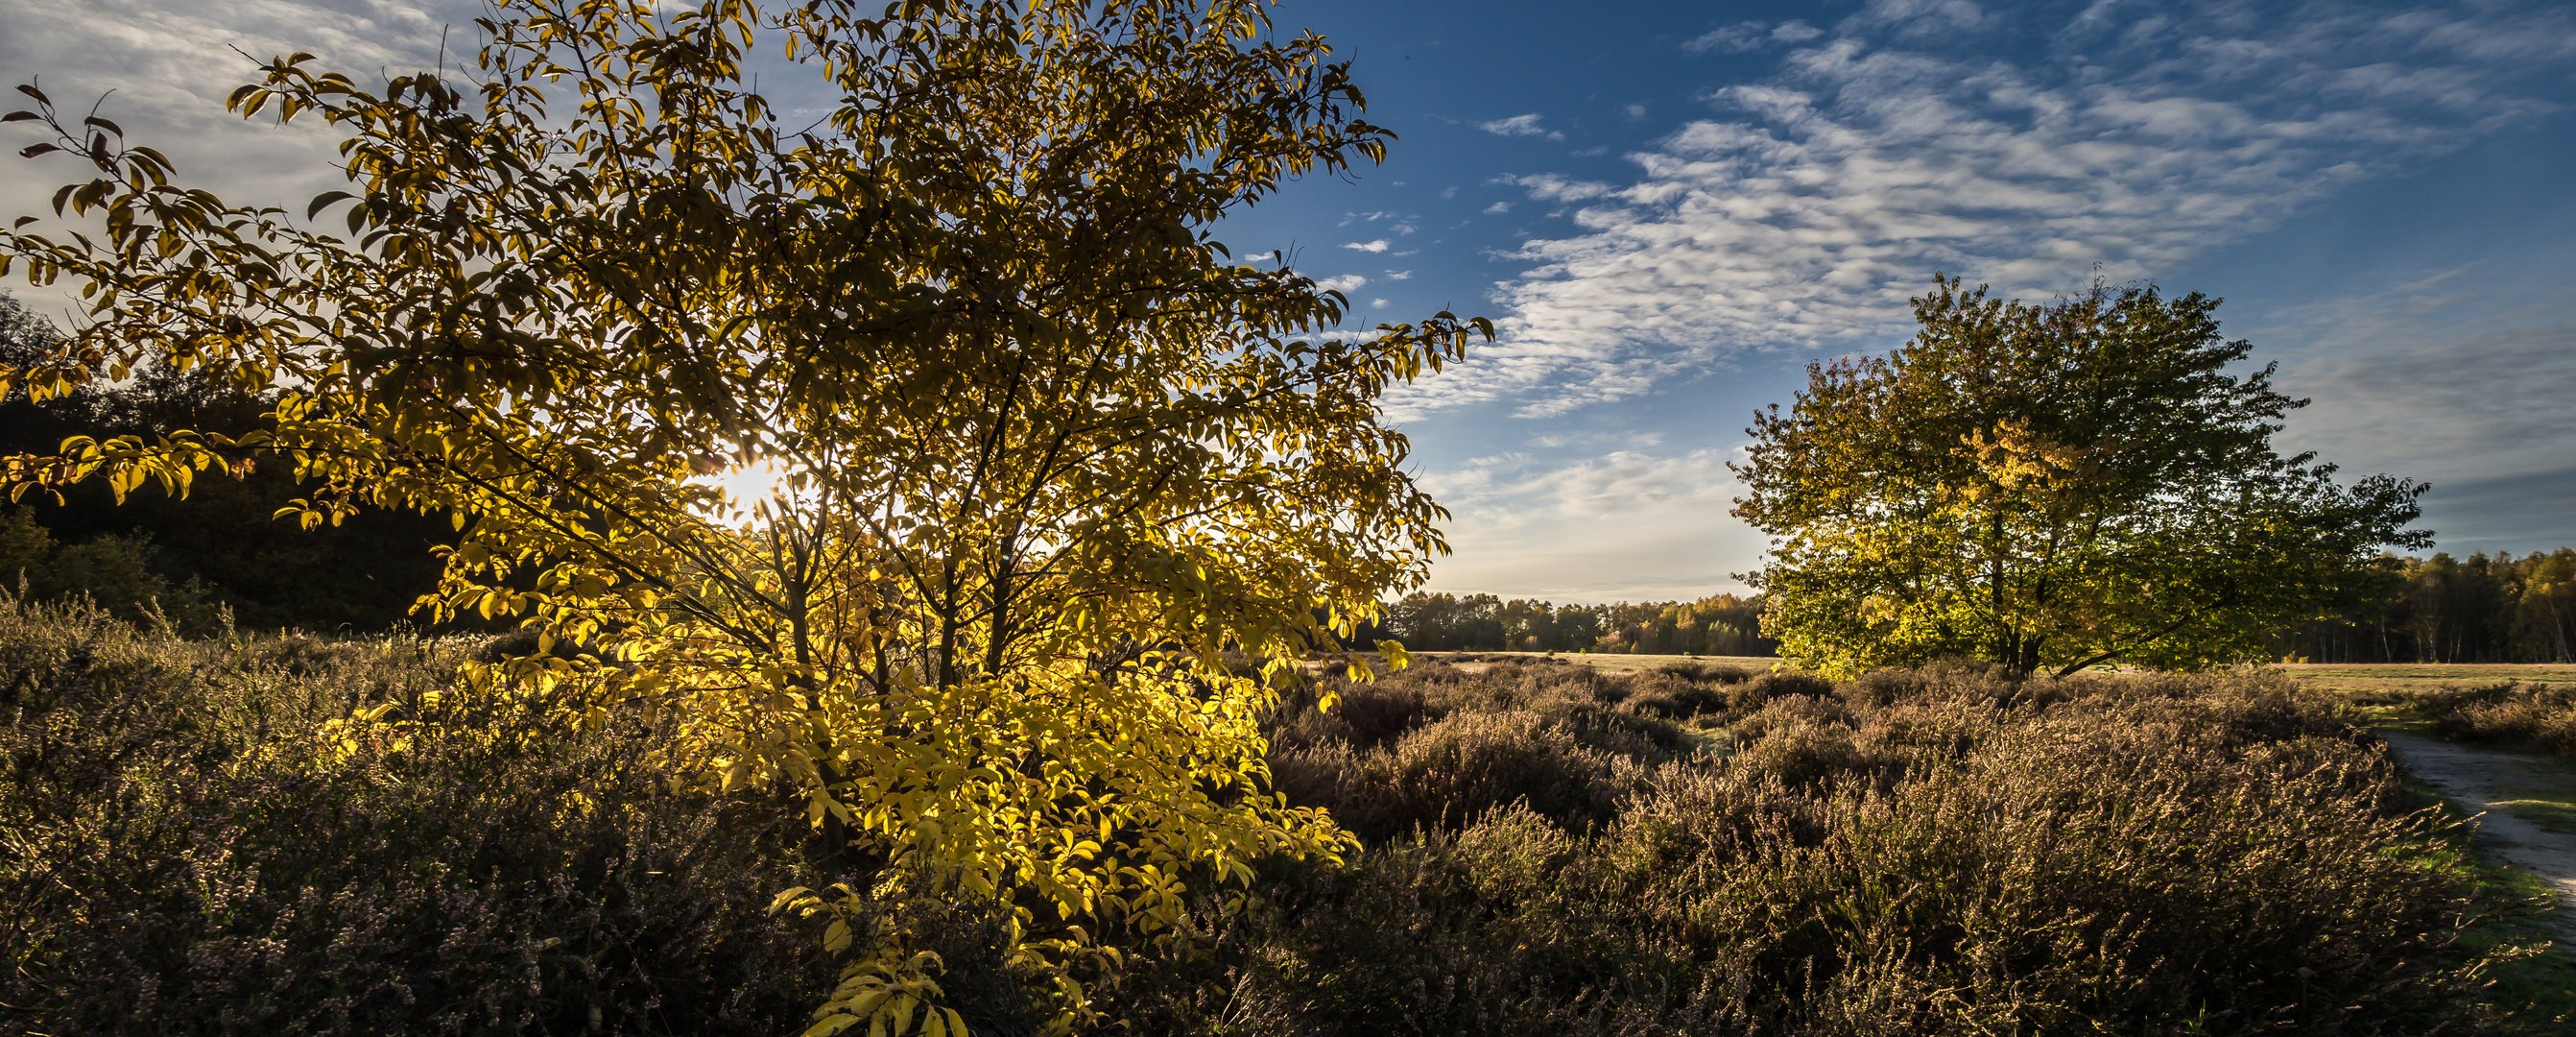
x,y
2374,680
2365,679
191,843
1607,662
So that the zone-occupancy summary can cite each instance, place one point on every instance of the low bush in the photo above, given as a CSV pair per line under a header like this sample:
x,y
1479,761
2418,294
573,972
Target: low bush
x,y
1700,671
1932,852
187,845
1447,773
117,572
1948,679
2527,716
1670,695
1763,690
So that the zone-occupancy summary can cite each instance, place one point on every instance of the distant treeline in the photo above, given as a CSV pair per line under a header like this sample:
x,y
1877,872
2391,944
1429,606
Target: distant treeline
x,y
2487,609
1725,624
220,551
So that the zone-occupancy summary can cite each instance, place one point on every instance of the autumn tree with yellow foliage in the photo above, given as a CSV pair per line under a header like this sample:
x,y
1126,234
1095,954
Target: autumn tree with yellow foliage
x,y
2054,486
1051,463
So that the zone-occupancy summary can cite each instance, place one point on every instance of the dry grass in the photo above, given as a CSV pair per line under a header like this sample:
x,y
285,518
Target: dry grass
x,y
2339,677
2375,679
1607,662
183,850
1921,852
1690,846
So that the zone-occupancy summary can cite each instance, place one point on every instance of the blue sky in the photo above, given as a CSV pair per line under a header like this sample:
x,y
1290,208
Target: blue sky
x,y
1670,208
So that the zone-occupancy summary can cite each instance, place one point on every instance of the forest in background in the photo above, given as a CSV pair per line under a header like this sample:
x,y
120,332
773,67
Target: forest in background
x,y
219,553
1721,624
2484,609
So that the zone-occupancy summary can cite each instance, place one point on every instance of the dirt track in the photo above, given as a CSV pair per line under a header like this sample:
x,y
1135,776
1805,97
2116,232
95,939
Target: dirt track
x,y
2478,780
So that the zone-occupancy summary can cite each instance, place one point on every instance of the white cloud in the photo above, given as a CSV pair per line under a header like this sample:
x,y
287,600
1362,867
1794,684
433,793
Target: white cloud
x,y
1344,283
1736,38
1378,245
2480,360
1635,111
1377,304
170,66
1399,275
2460,377
1498,208
1744,36
1918,18
1519,126
1628,524
1821,197
1549,187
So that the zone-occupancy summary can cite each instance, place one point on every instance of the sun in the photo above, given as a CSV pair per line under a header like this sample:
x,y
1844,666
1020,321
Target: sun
x,y
748,490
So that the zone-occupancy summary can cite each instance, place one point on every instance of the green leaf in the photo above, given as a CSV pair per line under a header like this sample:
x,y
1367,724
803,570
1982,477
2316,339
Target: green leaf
x,y
324,201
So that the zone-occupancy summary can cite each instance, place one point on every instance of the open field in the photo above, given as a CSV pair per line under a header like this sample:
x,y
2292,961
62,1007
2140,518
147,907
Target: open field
x,y
2343,677
2403,677
1607,662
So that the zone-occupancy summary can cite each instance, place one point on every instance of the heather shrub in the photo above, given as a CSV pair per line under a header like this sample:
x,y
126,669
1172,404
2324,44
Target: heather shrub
x,y
186,847
1673,694
1366,715
2530,716
1629,729
1525,687
1378,713
1698,671
1497,927
1788,712
1435,747
2247,706
1761,691
1454,770
1943,680
1940,851
1801,752
1331,773
2071,872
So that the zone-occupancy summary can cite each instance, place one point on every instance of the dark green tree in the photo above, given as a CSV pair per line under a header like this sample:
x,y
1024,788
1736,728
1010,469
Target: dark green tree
x,y
2055,486
222,542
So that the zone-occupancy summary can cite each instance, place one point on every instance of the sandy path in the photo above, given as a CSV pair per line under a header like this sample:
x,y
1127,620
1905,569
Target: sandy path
x,y
2477,779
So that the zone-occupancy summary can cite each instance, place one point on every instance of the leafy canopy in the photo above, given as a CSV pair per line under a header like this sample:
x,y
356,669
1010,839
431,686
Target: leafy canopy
x,y
1050,456
2059,486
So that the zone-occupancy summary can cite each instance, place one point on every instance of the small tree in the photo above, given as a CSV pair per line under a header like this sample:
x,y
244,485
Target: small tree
x,y
2053,486
1045,456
